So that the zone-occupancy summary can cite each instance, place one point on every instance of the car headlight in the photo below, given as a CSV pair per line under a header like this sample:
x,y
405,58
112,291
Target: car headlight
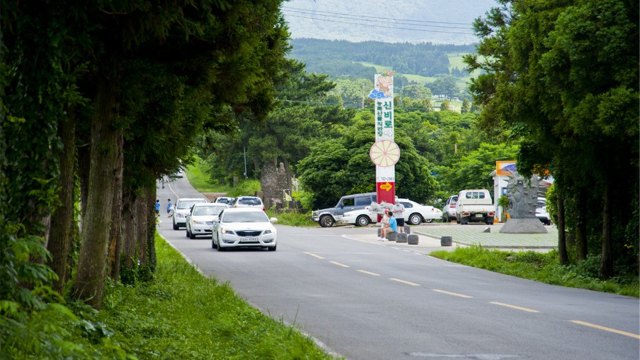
x,y
230,232
198,222
267,232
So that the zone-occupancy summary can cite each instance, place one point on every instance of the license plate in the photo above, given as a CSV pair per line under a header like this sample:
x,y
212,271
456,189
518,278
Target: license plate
x,y
478,215
249,239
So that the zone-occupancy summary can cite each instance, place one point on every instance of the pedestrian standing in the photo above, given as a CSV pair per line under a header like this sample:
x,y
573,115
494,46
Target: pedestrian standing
x,y
157,206
398,213
169,207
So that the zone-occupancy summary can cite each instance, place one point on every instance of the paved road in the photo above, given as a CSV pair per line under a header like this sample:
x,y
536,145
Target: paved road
x,y
365,299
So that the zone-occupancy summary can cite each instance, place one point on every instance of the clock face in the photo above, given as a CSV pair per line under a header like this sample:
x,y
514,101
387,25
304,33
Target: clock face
x,y
384,153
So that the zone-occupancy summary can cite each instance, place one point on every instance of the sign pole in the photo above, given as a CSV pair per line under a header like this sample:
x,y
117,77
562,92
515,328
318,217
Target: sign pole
x,y
384,152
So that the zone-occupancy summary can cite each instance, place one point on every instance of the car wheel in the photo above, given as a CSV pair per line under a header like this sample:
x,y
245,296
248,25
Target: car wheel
x,y
213,244
175,226
326,221
192,235
220,248
415,219
464,221
188,234
362,220
272,248
445,219
428,221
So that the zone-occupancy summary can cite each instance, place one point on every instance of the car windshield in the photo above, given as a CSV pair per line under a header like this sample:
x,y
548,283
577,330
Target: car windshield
x,y
249,201
208,210
253,216
186,204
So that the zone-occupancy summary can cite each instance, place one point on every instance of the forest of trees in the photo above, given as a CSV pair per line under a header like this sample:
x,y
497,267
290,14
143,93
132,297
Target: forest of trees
x,y
341,58
99,100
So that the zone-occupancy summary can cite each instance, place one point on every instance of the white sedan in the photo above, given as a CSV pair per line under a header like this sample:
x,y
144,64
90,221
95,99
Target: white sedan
x,y
200,219
414,214
244,227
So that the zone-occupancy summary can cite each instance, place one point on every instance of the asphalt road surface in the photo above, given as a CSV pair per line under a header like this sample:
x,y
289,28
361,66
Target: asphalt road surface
x,y
365,299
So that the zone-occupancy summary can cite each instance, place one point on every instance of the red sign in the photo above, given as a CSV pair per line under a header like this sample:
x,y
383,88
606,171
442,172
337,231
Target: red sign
x,y
386,191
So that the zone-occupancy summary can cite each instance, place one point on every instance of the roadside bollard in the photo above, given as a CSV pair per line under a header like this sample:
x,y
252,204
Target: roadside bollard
x,y
412,239
445,241
401,238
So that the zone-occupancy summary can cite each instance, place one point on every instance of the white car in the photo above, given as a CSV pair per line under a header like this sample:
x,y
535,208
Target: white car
x,y
182,209
200,219
244,227
414,214
248,201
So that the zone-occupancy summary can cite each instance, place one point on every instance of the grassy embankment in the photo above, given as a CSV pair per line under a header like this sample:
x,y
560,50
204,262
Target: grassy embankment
x,y
544,268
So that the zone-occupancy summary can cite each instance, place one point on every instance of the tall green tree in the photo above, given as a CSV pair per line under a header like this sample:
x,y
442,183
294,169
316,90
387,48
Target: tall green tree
x,y
563,74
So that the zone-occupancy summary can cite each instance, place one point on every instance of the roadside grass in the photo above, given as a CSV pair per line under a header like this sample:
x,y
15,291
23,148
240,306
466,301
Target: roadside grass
x,y
183,315
292,218
543,267
198,176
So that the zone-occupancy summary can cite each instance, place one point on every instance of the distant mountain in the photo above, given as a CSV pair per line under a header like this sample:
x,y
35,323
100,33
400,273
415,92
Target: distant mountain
x,y
391,21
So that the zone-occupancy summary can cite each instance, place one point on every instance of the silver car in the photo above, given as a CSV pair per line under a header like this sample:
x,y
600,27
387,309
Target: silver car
x,y
200,219
244,227
182,209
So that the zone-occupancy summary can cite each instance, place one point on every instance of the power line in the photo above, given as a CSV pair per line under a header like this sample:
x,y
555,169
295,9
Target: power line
x,y
377,18
378,26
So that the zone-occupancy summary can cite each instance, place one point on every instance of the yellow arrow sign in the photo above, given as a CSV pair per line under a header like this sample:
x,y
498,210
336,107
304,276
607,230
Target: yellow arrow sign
x,y
386,186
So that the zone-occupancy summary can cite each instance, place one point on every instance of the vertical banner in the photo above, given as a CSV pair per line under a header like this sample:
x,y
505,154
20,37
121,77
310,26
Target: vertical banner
x,y
384,153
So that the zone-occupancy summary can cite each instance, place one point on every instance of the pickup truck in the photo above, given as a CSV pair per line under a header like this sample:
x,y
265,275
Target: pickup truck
x,y
475,205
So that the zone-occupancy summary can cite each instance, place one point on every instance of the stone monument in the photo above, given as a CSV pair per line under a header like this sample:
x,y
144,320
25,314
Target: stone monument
x,y
522,194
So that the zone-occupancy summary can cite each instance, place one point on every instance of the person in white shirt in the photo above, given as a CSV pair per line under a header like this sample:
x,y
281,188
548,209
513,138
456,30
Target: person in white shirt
x,y
398,213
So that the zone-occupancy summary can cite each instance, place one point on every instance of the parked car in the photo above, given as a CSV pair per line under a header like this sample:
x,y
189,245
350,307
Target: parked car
x,y
329,216
182,208
414,214
244,227
225,200
541,211
200,219
475,205
248,201
449,209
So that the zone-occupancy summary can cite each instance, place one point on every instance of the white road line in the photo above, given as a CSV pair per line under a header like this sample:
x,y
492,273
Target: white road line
x,y
339,264
603,328
404,282
452,293
368,272
314,255
514,307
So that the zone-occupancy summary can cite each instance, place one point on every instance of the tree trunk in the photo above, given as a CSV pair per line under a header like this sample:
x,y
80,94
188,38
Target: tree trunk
x,y
581,226
90,279
115,241
562,235
142,216
606,262
151,232
129,229
59,243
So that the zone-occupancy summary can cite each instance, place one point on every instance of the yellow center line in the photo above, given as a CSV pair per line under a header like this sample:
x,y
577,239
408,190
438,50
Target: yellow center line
x,y
514,307
404,282
368,272
603,328
314,255
452,293
339,264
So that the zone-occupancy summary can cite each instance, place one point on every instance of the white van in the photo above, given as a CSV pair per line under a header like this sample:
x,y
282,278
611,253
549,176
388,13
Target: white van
x,y
475,205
